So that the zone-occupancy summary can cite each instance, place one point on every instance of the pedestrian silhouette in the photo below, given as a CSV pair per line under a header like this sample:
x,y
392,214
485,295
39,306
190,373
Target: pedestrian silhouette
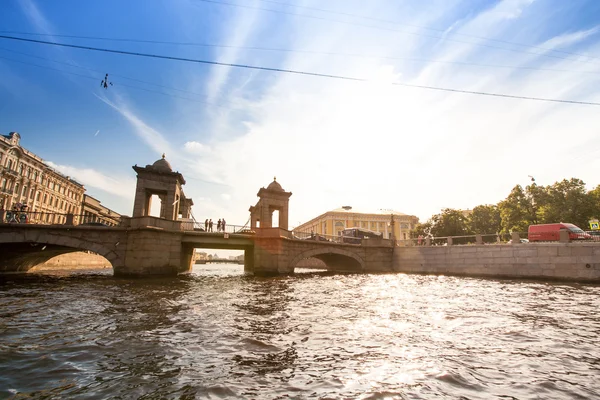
x,y
219,225
223,224
206,225
210,225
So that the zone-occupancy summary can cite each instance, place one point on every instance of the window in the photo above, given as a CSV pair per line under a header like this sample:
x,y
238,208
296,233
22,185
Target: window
x,y
45,199
37,197
20,169
16,188
9,165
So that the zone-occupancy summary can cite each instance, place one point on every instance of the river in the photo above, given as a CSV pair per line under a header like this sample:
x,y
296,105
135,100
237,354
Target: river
x,y
217,333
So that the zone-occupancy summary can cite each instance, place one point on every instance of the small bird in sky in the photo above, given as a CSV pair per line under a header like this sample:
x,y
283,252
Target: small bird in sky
x,y
532,178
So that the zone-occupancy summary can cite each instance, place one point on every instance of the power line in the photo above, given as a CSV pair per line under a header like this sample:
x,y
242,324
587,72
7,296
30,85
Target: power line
x,y
119,84
289,71
413,59
99,71
392,30
443,31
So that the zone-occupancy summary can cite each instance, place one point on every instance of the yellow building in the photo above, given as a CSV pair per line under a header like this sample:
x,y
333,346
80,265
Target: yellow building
x,y
25,178
94,212
333,222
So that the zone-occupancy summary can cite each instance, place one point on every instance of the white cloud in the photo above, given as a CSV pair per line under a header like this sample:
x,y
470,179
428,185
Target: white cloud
x,y
149,135
374,145
194,147
123,186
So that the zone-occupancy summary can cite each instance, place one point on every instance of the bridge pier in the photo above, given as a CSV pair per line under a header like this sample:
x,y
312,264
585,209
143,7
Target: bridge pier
x,y
155,253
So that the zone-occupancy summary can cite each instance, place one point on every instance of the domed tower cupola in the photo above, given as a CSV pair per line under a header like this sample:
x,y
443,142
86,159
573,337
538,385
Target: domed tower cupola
x,y
162,165
159,179
270,199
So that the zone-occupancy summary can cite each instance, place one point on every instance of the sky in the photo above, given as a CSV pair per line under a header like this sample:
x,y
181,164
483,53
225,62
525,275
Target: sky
x,y
391,140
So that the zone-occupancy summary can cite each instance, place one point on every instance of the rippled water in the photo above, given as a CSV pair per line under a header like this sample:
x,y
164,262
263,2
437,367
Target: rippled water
x,y
219,334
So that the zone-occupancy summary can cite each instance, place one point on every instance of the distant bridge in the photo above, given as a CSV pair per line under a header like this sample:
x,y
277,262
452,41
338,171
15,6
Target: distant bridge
x,y
219,261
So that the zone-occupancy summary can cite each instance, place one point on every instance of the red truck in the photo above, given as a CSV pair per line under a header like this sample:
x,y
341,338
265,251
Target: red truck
x,y
550,232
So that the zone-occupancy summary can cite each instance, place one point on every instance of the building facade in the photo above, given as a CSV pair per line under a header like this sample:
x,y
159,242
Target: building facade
x,y
94,212
333,222
25,178
49,195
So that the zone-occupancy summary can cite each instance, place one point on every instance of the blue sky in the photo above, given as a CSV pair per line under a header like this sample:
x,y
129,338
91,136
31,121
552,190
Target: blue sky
x,y
372,145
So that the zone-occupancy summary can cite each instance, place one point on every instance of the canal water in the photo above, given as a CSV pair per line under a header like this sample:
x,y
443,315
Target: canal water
x,y
219,334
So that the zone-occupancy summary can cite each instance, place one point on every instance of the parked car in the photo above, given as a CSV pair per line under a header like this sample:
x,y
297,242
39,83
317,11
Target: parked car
x,y
520,241
551,232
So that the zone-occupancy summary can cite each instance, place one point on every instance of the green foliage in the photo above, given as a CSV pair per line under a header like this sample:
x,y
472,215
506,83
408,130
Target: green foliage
x,y
564,201
449,222
423,230
567,201
519,210
485,219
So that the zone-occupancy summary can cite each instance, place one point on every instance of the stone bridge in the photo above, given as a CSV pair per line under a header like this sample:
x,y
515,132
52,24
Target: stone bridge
x,y
140,250
144,245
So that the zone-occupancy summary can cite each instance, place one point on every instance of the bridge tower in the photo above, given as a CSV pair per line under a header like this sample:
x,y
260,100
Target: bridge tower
x,y
270,199
159,179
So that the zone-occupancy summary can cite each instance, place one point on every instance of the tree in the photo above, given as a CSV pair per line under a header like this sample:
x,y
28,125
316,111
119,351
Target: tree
x,y
423,230
485,219
518,210
568,201
450,222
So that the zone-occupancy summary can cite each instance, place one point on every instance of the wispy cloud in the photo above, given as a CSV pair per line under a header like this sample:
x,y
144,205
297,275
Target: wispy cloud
x,y
244,22
123,186
35,16
150,136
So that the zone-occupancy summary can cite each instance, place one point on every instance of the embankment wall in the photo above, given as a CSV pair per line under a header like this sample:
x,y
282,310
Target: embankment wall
x,y
573,261
75,260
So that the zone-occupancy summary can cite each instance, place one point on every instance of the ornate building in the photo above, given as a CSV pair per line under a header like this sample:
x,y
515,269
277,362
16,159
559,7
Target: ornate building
x,y
49,195
25,178
333,222
94,212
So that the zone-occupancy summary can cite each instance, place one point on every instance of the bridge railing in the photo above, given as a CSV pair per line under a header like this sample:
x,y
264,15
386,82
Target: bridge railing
x,y
54,218
198,226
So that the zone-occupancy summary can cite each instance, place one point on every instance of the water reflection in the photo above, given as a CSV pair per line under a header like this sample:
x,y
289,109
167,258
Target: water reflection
x,y
221,334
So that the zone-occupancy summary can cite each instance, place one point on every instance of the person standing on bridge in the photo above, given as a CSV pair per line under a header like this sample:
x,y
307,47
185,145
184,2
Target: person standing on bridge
x,y
206,225
219,225
210,225
223,224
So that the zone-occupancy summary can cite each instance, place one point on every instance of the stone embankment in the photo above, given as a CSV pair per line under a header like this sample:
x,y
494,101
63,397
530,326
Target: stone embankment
x,y
575,261
76,260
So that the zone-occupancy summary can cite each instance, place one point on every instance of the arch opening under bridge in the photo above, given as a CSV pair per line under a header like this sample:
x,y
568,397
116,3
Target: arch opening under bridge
x,y
20,253
338,260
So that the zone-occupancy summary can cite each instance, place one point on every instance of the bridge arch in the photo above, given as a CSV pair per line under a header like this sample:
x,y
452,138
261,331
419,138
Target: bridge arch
x,y
21,252
336,259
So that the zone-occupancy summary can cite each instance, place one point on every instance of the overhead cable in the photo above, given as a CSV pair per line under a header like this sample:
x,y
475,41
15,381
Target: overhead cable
x,y
290,71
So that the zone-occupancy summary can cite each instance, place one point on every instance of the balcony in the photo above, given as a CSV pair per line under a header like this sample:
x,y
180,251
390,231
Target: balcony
x,y
6,191
7,171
